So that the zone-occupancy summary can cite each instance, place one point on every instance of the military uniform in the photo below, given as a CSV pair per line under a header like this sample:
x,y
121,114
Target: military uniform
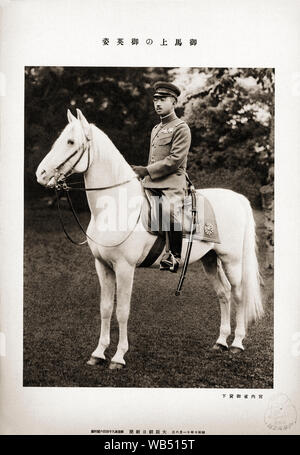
x,y
165,175
169,146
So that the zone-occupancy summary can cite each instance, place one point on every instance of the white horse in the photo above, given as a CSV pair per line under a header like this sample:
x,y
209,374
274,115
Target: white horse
x,y
118,246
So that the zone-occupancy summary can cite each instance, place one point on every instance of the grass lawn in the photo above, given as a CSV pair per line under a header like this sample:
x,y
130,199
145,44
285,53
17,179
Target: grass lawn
x,y
170,337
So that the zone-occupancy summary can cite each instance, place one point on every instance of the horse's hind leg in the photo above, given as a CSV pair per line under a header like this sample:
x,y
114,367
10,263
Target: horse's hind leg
x,y
233,272
214,270
124,276
107,283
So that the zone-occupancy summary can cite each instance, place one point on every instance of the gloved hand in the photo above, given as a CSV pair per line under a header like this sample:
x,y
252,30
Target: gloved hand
x,y
141,171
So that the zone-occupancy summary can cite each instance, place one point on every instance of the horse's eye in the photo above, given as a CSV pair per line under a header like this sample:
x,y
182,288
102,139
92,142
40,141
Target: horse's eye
x,y
71,142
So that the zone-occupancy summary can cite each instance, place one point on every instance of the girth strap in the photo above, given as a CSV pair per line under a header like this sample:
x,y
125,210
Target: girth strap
x,y
154,253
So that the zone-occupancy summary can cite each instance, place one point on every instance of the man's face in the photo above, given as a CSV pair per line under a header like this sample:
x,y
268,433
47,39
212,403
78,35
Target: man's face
x,y
164,105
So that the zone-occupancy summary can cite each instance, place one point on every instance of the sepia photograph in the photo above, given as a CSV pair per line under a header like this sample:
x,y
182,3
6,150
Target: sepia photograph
x,y
107,150
149,237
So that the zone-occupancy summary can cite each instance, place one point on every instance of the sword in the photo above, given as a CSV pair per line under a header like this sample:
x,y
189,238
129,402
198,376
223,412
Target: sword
x,y
189,247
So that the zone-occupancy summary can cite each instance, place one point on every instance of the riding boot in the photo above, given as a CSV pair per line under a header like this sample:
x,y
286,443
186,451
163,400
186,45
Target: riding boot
x,y
175,239
171,259
172,225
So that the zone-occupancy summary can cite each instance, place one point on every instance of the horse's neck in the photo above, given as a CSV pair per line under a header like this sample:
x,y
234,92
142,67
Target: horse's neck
x,y
108,168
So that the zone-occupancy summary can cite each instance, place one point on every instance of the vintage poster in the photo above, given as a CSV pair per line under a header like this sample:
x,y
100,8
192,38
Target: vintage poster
x,y
110,112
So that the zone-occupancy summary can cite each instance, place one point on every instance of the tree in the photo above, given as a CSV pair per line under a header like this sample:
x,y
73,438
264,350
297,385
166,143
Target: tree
x,y
231,114
118,100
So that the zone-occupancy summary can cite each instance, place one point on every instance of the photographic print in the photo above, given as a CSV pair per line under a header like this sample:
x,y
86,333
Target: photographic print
x,y
149,229
218,131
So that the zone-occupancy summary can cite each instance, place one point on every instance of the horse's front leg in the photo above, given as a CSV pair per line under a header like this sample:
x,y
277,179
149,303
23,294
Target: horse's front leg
x,y
107,281
124,276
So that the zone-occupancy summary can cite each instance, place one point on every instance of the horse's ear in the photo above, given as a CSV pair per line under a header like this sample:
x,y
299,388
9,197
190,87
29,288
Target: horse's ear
x,y
70,116
84,123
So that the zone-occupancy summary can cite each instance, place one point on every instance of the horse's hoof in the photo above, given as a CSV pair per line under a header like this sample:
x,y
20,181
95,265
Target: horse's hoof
x,y
235,350
116,366
219,347
95,361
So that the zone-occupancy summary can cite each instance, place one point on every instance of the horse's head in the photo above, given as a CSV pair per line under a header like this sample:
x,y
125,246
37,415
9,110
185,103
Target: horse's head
x,y
69,154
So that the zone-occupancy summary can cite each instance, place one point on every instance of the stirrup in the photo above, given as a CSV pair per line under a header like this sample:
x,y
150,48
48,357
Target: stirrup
x,y
170,263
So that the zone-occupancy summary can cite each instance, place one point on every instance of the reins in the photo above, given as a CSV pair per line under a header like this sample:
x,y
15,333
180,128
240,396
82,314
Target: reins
x,y
61,185
66,189
61,220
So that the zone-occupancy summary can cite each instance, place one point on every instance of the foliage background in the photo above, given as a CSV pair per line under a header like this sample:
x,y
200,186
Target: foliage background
x,y
229,110
231,113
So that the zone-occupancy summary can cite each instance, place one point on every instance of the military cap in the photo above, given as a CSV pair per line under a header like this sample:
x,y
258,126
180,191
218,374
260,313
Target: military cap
x,y
162,88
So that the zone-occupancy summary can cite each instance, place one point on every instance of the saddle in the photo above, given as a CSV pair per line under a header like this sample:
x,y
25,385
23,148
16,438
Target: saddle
x,y
205,228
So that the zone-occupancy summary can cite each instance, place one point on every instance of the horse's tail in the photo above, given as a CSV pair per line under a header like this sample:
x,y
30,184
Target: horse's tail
x,y
251,278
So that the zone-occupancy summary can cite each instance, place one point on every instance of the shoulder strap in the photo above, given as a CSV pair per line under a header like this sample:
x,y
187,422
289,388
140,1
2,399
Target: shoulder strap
x,y
178,122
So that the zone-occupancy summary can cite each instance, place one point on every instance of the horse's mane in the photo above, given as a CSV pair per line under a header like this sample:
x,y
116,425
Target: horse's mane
x,y
113,161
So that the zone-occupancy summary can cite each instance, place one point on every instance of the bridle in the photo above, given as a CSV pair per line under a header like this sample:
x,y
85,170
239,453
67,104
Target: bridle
x,y
84,147
61,185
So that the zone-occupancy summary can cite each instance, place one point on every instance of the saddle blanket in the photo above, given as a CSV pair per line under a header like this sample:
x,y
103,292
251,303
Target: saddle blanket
x,y
205,230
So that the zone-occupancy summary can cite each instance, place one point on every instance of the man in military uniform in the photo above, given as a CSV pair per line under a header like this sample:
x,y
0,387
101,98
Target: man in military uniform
x,y
165,173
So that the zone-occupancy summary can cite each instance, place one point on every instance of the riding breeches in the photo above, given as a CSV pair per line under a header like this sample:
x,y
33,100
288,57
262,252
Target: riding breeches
x,y
170,218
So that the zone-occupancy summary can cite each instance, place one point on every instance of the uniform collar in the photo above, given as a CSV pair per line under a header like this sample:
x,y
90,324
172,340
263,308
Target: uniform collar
x,y
168,118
